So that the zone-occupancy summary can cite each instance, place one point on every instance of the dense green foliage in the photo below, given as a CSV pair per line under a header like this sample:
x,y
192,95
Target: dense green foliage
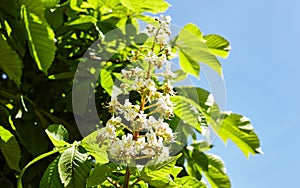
x,y
42,43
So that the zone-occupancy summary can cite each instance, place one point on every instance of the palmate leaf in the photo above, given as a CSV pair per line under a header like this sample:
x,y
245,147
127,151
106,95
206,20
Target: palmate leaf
x,y
100,173
216,173
157,174
92,147
10,149
192,48
232,126
187,110
200,96
40,39
58,135
106,81
217,45
74,167
211,166
189,182
188,64
238,129
140,6
82,19
10,62
51,178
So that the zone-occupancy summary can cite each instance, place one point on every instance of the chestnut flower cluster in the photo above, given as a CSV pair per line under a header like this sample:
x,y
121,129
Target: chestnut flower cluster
x,y
146,134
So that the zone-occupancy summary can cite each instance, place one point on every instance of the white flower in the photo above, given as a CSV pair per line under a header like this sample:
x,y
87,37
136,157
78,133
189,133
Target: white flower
x,y
151,138
166,18
151,58
138,72
151,86
127,104
164,130
165,105
168,70
107,132
130,115
140,144
115,149
114,105
138,84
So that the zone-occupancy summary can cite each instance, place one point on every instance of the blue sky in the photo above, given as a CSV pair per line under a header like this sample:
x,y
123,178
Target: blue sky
x,y
262,76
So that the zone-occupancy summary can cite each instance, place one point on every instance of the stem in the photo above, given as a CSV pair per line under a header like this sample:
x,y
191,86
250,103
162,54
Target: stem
x,y
149,70
150,106
152,112
127,176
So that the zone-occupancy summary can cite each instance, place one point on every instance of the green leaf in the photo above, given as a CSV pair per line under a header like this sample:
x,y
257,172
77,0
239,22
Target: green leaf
x,y
152,6
216,174
81,93
187,110
73,167
51,178
10,62
75,5
10,149
106,81
217,45
58,135
238,129
175,171
197,161
188,64
38,158
100,173
40,40
192,48
61,76
90,144
82,20
189,182
198,95
158,174
96,4
36,7
31,136
50,3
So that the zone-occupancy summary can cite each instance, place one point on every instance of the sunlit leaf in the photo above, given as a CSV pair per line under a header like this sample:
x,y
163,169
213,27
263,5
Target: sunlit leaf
x,y
75,5
188,64
216,173
73,167
40,40
187,110
152,6
10,62
239,129
192,48
58,135
217,45
157,174
90,144
10,149
106,81
82,19
189,182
